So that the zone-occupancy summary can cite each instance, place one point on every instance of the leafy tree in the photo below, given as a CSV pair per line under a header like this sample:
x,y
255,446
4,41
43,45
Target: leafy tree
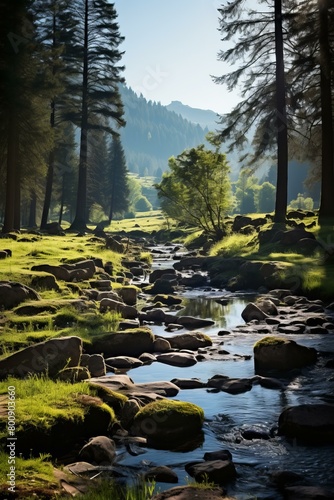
x,y
197,189
96,55
118,184
143,205
245,191
302,203
265,198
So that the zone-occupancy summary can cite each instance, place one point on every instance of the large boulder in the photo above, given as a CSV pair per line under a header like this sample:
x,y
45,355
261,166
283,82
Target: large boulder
x,y
95,364
49,357
280,354
128,295
168,422
192,341
251,312
313,423
177,359
128,312
99,450
158,273
216,471
13,293
127,343
190,322
59,272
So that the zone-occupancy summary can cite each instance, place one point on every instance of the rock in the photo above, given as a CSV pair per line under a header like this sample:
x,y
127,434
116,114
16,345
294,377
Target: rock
x,y
45,357
45,283
191,323
147,357
95,364
167,422
285,477
192,341
3,254
129,295
293,236
161,474
74,374
230,385
87,265
13,293
107,295
308,493
191,492
128,343
130,408
195,281
269,382
54,228
267,306
155,315
240,221
161,286
124,385
81,468
161,345
99,450
128,324
251,312
313,423
218,455
254,433
157,273
128,312
59,272
177,359
309,245
114,245
189,383
276,353
216,471
124,362
168,300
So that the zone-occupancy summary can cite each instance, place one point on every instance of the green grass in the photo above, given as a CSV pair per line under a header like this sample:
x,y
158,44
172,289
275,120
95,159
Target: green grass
x,y
235,245
40,401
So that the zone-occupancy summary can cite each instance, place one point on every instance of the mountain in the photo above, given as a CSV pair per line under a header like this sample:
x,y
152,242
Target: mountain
x,y
206,118
153,134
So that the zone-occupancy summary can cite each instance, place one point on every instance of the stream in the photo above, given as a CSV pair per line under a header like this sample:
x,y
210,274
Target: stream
x,y
227,415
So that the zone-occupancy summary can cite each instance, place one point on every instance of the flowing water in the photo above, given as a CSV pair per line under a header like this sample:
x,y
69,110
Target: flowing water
x,y
227,415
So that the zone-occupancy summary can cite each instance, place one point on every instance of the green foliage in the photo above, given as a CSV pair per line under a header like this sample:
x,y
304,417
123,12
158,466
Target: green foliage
x,y
302,203
245,192
196,191
235,245
33,472
143,205
265,198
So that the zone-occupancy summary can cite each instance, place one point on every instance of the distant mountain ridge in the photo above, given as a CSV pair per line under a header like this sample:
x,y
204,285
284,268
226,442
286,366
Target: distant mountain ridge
x,y
206,118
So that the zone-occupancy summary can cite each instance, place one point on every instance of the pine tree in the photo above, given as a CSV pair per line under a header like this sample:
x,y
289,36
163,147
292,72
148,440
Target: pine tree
x,y
259,41
119,191
96,50
24,91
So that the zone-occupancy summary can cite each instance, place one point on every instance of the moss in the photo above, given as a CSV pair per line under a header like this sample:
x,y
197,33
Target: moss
x,y
164,418
270,340
114,399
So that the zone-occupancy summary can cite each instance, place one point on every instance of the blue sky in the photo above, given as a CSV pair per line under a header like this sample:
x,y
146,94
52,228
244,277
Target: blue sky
x,y
171,50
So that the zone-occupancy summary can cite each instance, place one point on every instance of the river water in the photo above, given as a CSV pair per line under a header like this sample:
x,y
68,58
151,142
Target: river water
x,y
227,415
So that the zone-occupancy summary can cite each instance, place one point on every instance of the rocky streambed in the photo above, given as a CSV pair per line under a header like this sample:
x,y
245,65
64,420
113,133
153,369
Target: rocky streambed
x,y
267,424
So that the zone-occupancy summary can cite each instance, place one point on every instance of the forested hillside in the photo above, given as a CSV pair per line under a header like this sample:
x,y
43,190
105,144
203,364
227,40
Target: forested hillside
x,y
153,133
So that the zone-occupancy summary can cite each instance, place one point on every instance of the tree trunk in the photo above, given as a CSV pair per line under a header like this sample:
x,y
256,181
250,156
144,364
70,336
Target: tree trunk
x,y
281,121
49,177
326,211
79,223
11,179
32,210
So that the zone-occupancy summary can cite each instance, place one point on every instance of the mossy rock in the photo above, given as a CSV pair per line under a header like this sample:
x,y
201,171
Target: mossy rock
x,y
73,374
114,399
168,300
132,343
65,435
278,354
167,423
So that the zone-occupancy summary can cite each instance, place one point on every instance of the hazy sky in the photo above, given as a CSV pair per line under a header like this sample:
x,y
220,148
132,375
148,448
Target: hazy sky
x,y
171,50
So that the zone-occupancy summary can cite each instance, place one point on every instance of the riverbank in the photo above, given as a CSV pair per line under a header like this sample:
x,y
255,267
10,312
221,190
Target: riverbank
x,y
92,288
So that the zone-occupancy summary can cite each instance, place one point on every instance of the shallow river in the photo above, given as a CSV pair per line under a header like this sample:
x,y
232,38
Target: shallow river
x,y
226,415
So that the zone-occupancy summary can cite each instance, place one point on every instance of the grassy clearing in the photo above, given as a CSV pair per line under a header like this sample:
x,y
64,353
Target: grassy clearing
x,y
31,473
53,250
150,221
236,245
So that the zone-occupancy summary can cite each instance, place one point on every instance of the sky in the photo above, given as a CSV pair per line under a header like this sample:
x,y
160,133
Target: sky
x,y
171,50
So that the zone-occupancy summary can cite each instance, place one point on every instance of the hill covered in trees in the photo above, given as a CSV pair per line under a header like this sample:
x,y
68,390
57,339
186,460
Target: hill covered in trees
x,y
153,134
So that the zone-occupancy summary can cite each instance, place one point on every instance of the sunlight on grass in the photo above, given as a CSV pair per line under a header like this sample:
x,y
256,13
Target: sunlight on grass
x,y
235,245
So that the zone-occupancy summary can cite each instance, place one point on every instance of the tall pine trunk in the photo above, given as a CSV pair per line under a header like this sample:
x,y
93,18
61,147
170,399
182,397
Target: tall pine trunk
x,y
80,219
281,121
11,178
50,174
326,211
